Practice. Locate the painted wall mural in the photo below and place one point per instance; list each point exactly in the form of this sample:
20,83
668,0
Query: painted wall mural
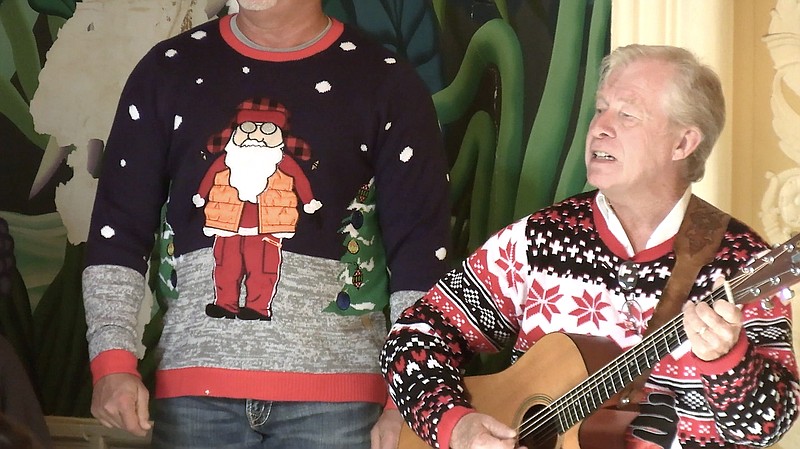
513,116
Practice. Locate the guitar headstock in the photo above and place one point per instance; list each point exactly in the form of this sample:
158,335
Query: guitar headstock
770,273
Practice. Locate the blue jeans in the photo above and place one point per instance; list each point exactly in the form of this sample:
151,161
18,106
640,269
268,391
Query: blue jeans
218,423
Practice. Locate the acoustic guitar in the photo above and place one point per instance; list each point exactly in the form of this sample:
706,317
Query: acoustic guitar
563,379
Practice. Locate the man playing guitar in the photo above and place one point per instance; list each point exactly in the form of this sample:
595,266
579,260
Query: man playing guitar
597,264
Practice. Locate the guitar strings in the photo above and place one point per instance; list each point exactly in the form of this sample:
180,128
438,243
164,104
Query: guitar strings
568,401
672,327
675,326
543,424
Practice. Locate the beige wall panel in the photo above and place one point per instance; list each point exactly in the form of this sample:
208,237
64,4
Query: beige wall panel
706,28
754,172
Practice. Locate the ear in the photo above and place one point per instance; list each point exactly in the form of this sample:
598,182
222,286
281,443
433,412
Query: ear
688,142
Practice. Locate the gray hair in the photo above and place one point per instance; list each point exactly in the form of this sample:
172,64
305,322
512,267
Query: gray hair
695,99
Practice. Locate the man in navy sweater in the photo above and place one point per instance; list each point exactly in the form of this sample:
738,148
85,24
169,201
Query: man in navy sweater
283,269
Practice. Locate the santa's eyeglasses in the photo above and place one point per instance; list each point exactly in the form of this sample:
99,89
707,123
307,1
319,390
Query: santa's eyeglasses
266,128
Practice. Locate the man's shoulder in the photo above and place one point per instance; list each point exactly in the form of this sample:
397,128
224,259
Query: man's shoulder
581,202
362,39
182,41
745,236
373,50
198,31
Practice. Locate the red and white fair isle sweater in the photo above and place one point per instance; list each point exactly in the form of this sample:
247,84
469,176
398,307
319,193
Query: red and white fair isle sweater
555,271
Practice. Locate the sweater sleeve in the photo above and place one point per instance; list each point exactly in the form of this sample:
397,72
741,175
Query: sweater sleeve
411,182
473,308
112,296
753,390
127,211
133,182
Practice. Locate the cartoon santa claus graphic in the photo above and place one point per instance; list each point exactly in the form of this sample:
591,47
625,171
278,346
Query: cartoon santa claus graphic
250,199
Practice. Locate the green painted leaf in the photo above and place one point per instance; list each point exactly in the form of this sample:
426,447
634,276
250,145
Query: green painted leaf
61,8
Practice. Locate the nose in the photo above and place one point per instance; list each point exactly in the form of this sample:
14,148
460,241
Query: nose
601,125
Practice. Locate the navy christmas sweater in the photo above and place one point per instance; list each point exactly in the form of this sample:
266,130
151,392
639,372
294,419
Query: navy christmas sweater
302,190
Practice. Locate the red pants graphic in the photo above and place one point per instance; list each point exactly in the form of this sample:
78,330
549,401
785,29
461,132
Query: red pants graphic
254,259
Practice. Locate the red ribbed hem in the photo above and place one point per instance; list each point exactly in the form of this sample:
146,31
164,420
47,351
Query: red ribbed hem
114,361
448,422
271,386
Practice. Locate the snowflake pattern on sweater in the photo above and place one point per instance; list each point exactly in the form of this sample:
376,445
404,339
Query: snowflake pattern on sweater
558,270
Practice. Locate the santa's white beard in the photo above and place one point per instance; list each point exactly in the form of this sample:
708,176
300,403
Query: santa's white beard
251,166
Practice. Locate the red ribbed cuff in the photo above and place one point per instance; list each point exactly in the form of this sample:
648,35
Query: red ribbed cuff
448,422
114,361
727,361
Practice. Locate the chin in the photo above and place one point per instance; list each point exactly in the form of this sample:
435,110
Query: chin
594,179
603,184
256,5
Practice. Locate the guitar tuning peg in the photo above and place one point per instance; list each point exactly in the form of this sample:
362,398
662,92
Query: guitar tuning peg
783,295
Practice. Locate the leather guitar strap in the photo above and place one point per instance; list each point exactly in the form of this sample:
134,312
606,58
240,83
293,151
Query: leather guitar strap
696,243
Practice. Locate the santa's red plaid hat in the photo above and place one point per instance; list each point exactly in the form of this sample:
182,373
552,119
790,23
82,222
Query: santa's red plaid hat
261,110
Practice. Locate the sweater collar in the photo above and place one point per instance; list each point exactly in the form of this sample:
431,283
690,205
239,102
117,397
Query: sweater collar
663,232
327,39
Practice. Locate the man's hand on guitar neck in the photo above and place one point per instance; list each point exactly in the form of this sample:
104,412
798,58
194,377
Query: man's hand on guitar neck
479,431
712,331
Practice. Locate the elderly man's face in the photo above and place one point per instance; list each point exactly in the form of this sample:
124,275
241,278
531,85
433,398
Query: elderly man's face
630,147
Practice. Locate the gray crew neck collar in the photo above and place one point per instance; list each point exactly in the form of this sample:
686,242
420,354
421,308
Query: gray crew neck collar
245,40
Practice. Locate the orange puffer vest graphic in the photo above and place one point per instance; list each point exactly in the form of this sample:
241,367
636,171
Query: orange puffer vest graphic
277,205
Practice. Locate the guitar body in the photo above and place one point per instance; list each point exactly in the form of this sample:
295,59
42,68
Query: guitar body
565,370
554,365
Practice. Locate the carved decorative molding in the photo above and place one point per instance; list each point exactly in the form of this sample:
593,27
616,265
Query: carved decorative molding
780,206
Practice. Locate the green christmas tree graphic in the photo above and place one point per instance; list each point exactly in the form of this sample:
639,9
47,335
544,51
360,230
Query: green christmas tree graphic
365,278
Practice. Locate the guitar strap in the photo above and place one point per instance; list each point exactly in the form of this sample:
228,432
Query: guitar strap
696,243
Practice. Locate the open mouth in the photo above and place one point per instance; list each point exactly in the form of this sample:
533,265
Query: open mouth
603,156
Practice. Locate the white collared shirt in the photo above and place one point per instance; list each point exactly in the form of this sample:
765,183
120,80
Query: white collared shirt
663,232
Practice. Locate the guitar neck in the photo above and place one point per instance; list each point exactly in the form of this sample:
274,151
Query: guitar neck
760,279
590,394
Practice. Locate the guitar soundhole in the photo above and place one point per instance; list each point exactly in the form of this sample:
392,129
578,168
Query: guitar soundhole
538,430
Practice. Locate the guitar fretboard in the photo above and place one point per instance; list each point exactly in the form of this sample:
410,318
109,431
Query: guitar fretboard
758,280
587,397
